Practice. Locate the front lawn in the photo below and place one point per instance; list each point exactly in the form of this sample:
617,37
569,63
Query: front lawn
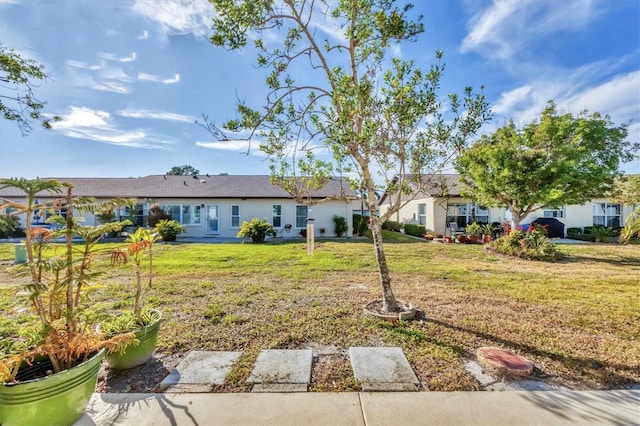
577,319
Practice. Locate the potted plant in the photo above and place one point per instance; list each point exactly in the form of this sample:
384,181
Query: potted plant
49,377
487,233
143,322
473,232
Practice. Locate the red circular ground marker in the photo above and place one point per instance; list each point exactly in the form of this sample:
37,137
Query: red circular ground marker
504,361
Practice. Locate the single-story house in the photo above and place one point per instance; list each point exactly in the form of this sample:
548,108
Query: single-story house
216,205
440,204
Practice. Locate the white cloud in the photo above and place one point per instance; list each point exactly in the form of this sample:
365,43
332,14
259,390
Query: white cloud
102,77
506,25
508,101
239,146
157,79
97,125
617,96
110,86
157,115
144,35
178,17
85,65
114,57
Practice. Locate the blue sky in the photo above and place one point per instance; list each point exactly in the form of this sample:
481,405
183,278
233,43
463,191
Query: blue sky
130,77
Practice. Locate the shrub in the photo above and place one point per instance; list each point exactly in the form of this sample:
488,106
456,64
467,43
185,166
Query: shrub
532,245
473,229
257,230
391,225
415,230
156,214
339,225
601,233
10,227
360,224
573,231
169,229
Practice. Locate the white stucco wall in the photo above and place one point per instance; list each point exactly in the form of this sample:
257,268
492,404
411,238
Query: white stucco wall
263,209
579,216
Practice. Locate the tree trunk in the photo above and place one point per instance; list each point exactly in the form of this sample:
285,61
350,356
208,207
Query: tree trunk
389,303
515,219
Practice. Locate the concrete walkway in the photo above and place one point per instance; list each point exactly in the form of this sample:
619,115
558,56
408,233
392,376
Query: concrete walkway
362,408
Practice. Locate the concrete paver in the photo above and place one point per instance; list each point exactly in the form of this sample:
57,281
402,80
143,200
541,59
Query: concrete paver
199,370
282,366
382,369
490,382
376,408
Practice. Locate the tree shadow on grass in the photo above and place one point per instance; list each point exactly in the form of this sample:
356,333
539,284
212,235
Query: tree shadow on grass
605,371
618,261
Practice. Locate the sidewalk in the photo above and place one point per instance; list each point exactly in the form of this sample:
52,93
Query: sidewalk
362,408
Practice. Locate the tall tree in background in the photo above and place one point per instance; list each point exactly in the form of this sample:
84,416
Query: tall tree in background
556,160
628,192
17,99
185,170
337,103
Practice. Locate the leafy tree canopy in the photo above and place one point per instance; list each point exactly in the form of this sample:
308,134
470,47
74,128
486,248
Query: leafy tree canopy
627,190
185,170
337,103
17,99
556,160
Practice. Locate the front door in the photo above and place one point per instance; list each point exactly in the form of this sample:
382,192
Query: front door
212,219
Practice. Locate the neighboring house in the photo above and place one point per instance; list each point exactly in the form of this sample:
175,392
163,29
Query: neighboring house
216,205
440,204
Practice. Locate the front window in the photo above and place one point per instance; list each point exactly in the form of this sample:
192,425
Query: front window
134,214
302,213
235,216
557,213
276,216
464,214
184,214
607,214
422,214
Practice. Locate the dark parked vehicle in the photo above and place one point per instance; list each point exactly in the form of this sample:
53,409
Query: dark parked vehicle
555,228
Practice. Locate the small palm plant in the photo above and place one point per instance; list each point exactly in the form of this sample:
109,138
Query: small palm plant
142,321
59,281
139,247
257,230
632,228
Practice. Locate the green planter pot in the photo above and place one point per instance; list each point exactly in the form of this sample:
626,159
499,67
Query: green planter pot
135,355
58,399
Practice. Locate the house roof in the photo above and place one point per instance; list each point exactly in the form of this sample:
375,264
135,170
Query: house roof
433,185
201,186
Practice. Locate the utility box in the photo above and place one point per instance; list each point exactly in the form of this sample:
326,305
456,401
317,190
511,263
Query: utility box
20,254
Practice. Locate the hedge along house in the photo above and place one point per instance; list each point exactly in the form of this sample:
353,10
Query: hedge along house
440,203
215,206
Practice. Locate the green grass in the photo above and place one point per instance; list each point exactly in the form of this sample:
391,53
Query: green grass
577,319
